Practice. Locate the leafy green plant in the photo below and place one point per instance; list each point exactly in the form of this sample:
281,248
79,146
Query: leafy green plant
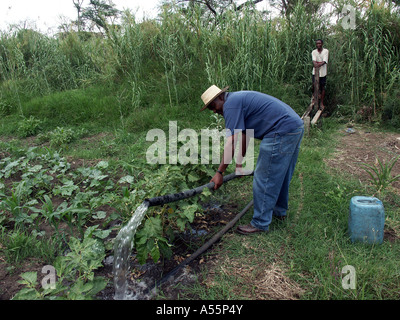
150,241
157,231
93,178
29,292
61,136
18,245
76,216
17,205
49,212
55,162
66,189
38,179
10,166
108,148
85,256
5,108
380,173
29,126
42,138
75,271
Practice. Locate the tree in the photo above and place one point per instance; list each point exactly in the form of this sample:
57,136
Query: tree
286,6
217,7
100,12
78,6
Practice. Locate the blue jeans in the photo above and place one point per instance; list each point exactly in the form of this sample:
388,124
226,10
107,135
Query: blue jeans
274,169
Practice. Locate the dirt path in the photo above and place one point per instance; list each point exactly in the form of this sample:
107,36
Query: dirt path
365,146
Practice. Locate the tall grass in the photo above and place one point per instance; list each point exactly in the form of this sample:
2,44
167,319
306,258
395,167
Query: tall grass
367,59
172,59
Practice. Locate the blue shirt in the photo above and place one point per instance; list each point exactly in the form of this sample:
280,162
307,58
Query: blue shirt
265,114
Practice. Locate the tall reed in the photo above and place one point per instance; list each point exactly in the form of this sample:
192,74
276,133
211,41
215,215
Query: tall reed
173,58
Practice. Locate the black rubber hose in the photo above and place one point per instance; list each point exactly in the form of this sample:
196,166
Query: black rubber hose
201,250
188,193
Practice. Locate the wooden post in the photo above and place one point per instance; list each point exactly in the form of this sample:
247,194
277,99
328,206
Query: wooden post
316,87
310,107
313,105
316,96
307,125
316,117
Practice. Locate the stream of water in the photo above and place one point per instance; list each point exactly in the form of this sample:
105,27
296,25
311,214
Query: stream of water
122,250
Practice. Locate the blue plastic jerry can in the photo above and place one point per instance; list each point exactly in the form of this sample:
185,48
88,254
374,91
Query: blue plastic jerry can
366,220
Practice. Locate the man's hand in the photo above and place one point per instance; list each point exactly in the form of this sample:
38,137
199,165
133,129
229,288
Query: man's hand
218,180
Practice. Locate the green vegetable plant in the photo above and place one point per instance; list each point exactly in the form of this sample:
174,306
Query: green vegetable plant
18,207
158,230
75,272
29,126
60,136
381,173
80,194
18,245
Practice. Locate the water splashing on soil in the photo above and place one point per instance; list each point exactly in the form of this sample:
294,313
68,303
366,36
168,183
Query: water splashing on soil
122,250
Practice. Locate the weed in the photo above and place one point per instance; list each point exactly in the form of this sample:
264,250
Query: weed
18,245
5,108
380,173
29,126
77,267
62,136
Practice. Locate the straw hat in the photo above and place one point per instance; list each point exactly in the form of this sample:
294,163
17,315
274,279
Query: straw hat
210,94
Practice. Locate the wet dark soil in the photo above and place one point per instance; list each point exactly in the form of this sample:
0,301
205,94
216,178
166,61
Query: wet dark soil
142,278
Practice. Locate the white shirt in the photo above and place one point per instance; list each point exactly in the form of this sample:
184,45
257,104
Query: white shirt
319,57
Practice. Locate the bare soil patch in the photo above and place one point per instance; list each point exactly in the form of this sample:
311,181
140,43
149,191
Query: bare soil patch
10,276
259,281
365,146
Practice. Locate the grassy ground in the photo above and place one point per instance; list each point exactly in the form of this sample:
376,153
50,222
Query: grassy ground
300,258
303,257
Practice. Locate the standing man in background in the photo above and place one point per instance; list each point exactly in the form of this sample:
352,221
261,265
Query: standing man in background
320,58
